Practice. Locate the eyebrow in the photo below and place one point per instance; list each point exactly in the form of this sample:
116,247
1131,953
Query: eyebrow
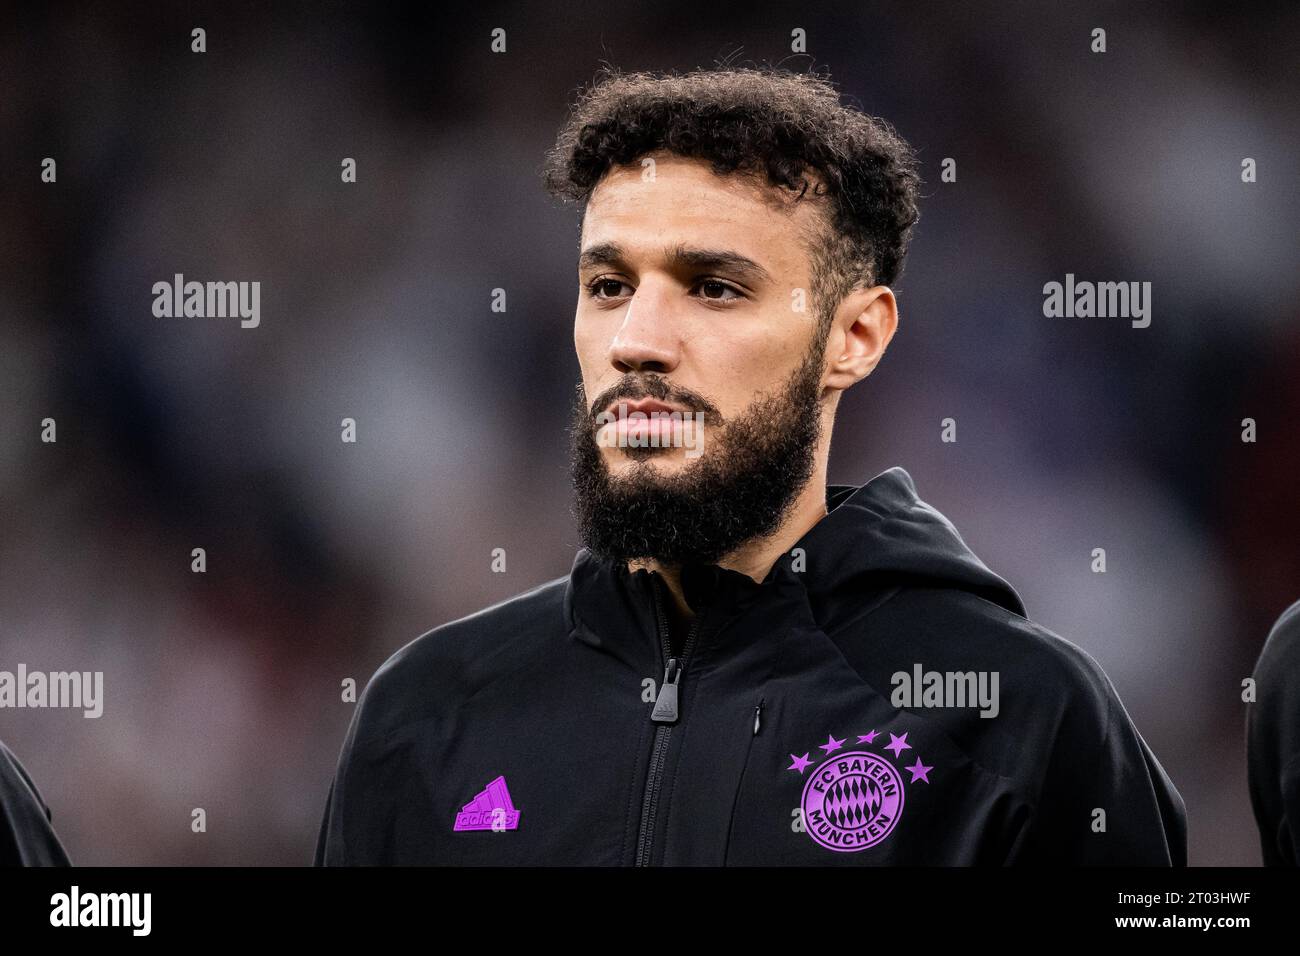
682,256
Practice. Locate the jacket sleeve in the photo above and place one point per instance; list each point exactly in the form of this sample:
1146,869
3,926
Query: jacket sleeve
27,836
331,842
328,853
376,810
1105,799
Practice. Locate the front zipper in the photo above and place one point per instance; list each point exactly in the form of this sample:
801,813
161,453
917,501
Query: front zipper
664,716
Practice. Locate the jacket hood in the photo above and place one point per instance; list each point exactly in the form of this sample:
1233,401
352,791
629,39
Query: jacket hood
883,530
874,538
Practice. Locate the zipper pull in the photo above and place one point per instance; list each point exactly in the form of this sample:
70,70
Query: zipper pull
757,713
665,711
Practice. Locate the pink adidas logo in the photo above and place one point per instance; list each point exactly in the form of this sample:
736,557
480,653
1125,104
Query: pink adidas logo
491,809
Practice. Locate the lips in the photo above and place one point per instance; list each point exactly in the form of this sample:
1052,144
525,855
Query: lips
646,406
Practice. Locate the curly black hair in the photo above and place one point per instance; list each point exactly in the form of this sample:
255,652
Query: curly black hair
758,121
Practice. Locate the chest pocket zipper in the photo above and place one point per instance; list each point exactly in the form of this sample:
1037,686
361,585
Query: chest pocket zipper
754,730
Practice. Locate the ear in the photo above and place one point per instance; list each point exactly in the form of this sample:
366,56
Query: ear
860,332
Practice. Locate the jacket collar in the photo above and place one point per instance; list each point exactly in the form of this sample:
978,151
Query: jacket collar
872,538
602,597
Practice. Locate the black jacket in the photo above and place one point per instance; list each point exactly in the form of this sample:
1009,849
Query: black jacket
27,837
1273,742
526,733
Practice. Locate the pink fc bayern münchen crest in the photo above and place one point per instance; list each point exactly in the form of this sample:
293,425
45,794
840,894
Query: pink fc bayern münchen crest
852,801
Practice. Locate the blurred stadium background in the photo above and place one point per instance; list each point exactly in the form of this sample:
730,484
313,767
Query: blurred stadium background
222,689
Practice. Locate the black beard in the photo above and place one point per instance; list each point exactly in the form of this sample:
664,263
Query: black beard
740,488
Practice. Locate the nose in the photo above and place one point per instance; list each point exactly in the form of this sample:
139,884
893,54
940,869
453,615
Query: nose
648,340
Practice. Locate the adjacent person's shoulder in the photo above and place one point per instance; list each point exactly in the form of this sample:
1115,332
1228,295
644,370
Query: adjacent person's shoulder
1273,722
1273,741
27,836
1281,652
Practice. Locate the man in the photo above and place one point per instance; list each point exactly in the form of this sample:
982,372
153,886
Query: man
1273,742
27,837
717,681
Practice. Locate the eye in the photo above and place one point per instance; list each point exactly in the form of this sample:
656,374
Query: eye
719,287
713,290
595,287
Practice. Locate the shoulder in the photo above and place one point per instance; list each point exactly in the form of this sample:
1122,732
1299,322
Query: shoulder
958,630
430,675
1039,694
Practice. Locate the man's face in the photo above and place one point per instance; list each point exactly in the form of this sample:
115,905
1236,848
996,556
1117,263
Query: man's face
693,298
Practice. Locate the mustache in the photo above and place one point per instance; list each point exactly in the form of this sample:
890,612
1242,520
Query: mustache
631,388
